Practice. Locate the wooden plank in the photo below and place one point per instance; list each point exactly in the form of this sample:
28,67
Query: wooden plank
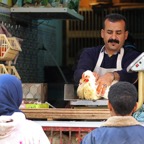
132,7
127,4
67,113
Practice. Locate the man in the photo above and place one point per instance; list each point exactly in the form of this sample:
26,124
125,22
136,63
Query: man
109,62
121,127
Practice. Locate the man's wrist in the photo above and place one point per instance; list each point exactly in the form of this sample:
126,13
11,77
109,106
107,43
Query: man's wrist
115,76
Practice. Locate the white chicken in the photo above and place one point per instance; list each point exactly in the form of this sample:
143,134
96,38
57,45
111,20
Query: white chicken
80,89
87,87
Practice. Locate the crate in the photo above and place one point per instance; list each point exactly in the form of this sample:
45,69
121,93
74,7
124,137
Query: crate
66,135
8,70
9,48
12,70
68,132
3,70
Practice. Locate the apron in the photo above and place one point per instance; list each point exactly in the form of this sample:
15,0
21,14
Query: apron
101,71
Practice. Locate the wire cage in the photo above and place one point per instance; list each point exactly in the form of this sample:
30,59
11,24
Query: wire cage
9,50
66,135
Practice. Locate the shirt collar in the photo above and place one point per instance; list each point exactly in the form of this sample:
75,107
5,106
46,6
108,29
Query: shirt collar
120,121
103,50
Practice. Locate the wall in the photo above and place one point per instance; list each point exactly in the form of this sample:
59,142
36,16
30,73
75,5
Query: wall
36,35
50,43
83,34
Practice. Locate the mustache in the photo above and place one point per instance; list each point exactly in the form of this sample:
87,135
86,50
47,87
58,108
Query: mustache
113,40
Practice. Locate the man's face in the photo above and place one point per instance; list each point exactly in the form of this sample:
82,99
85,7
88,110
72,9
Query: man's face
114,35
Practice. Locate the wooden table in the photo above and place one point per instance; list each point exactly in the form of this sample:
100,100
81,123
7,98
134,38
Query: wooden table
67,113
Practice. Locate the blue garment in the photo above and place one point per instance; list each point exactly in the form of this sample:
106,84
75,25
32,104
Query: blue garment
139,115
89,57
120,131
10,94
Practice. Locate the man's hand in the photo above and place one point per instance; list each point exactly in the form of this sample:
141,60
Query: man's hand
104,81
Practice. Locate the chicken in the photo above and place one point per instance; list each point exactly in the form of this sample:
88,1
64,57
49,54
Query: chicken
87,87
57,137
80,89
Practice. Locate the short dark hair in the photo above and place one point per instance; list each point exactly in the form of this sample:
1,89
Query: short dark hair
114,17
123,97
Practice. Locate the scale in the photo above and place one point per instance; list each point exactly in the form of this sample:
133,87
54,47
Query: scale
138,66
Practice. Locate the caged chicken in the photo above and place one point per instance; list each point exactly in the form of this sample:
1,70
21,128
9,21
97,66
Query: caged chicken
87,87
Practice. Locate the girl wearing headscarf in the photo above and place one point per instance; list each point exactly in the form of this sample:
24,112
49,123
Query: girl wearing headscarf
14,127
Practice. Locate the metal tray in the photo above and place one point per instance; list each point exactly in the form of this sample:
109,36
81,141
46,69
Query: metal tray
70,95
